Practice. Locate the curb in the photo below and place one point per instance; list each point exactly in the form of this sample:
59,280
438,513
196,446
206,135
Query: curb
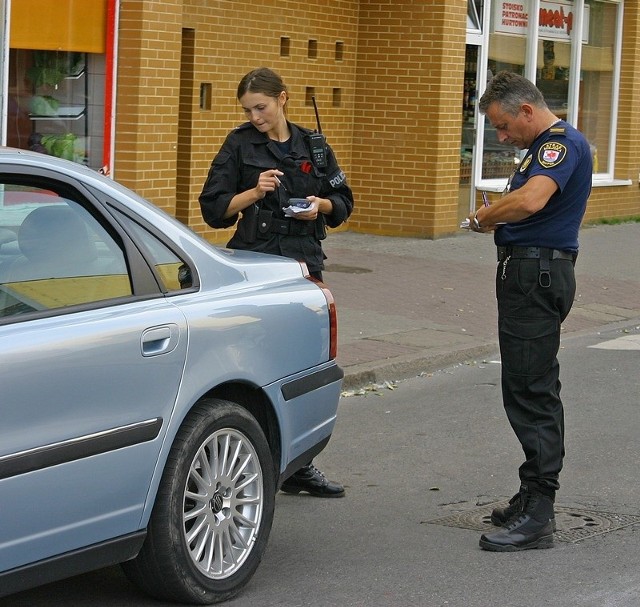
428,361
358,376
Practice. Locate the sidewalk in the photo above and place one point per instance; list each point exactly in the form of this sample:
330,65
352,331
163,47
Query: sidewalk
408,306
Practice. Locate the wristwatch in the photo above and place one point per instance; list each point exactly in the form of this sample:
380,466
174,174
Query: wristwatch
475,222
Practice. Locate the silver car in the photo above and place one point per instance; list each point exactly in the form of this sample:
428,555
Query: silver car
154,389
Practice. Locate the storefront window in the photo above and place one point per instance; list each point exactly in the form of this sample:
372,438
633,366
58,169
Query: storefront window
469,99
55,98
507,51
597,82
548,50
474,15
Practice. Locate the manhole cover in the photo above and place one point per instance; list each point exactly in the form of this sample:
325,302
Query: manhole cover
336,267
573,524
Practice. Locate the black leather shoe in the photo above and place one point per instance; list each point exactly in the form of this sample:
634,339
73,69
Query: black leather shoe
528,529
501,516
311,480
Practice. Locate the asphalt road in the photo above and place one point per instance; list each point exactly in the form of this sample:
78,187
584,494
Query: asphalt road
439,447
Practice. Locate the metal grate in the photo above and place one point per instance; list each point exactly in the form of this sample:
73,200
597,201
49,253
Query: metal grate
573,524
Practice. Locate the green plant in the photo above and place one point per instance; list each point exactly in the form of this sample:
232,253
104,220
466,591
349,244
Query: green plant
62,146
50,68
43,105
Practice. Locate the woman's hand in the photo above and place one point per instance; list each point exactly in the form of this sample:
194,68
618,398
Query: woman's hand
268,182
316,206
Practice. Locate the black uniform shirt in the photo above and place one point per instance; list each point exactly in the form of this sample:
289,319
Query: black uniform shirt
245,154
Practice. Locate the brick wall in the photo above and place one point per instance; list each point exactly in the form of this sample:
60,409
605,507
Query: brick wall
148,83
388,78
229,43
406,152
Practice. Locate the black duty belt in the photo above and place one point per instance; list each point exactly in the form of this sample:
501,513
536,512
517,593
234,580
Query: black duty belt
291,227
515,252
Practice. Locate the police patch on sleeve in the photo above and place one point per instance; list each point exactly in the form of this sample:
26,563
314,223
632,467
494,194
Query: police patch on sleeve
551,154
337,180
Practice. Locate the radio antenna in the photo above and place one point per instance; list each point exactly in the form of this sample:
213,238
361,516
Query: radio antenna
315,109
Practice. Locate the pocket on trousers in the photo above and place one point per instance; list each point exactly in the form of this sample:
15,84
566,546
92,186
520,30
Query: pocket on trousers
528,346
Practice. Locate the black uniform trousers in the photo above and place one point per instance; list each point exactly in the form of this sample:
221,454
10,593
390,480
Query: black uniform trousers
529,319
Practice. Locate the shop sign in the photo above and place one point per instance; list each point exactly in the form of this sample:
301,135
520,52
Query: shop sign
555,21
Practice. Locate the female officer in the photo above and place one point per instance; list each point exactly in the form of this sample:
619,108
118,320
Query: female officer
261,165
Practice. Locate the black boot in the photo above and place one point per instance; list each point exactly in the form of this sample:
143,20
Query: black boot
311,480
500,516
529,528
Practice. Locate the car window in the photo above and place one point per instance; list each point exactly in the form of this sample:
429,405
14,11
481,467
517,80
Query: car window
54,253
172,271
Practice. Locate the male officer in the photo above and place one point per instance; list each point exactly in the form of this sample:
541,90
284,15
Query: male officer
535,227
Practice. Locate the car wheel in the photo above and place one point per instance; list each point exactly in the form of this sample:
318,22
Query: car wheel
214,509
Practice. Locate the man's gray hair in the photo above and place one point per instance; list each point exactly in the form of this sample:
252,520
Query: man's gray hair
511,90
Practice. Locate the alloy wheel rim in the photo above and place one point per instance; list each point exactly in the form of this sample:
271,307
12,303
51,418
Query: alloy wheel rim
223,503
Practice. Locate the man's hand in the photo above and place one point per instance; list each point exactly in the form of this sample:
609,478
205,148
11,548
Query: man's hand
475,224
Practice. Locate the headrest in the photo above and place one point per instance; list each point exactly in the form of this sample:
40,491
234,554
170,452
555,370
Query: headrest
55,231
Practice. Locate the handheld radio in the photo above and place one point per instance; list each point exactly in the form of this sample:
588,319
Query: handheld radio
316,142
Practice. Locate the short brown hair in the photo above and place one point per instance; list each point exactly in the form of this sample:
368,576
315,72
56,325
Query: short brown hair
511,90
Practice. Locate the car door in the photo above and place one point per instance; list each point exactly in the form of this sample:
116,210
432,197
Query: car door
89,372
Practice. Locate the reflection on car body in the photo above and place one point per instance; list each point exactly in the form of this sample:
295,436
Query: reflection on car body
154,387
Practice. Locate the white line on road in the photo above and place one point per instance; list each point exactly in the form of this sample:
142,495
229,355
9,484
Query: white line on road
628,342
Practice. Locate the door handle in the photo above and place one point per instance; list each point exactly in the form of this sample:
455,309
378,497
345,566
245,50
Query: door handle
159,340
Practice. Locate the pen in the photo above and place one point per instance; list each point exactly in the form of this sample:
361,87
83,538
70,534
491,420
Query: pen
280,183
485,199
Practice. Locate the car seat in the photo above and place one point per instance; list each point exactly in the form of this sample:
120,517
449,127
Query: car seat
55,243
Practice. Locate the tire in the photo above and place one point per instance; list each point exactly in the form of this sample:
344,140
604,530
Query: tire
213,512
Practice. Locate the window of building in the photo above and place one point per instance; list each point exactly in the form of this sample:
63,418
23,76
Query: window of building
309,94
570,50
57,86
205,95
285,46
312,49
474,15
598,91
